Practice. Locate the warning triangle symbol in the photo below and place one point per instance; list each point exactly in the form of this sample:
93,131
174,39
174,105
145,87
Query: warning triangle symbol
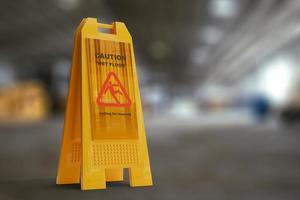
113,93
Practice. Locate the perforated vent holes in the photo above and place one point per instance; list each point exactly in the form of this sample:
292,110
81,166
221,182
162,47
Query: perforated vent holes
115,154
76,151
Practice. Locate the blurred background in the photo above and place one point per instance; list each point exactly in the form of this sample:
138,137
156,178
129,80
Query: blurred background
220,85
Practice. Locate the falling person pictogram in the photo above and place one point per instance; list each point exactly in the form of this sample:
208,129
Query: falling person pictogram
114,90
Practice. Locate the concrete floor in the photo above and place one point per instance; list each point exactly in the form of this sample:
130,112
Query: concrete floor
210,162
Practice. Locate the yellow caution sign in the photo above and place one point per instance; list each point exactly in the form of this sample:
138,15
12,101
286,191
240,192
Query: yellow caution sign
104,127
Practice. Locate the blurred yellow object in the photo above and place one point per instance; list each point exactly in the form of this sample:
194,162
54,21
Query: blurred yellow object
24,101
104,127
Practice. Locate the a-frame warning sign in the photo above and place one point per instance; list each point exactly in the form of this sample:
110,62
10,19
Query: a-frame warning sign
113,93
104,129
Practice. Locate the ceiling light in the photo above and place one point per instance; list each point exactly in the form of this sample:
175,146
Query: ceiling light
224,8
68,4
210,35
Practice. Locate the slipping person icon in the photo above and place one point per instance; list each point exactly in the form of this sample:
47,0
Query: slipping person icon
113,85
112,90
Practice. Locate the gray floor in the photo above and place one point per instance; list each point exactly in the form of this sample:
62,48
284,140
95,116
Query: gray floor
224,162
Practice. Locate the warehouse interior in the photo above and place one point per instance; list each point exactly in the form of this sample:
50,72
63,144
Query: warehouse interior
220,89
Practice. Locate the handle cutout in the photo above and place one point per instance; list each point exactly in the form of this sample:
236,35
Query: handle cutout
106,28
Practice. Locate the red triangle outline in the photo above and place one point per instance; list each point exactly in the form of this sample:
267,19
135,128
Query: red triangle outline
103,88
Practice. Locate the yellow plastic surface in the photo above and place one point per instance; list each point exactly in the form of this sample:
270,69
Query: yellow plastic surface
104,127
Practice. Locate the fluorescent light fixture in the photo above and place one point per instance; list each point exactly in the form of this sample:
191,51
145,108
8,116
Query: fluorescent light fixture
210,35
68,4
224,8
